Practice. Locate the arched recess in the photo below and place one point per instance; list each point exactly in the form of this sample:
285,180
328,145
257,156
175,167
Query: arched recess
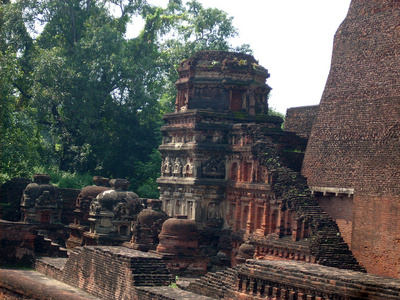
234,171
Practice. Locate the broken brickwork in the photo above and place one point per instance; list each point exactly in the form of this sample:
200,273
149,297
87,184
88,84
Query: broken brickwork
108,272
227,165
354,146
10,198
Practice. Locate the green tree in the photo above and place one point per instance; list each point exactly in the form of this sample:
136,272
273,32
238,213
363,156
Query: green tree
98,97
19,140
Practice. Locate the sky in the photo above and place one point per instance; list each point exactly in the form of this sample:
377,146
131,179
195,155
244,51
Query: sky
293,39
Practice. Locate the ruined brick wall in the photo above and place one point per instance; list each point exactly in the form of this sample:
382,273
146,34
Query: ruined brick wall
340,208
68,198
10,198
17,243
300,120
277,279
112,272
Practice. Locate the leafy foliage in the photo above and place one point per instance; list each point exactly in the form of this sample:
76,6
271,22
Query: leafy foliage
79,97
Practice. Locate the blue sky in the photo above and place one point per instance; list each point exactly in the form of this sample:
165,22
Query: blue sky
291,38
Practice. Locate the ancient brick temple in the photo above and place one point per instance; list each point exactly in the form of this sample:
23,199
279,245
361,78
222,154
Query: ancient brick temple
228,165
352,160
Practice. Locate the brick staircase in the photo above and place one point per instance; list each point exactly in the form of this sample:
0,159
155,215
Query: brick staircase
46,247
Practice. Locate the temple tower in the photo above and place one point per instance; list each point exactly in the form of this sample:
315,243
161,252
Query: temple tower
216,89
354,147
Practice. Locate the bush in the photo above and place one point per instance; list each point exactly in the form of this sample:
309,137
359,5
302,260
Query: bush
66,180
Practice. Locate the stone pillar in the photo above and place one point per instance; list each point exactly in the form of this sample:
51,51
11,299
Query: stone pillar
264,225
237,214
250,218
280,223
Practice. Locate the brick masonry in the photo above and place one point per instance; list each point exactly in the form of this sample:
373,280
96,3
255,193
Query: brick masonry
17,243
108,272
355,139
300,120
376,234
340,208
262,279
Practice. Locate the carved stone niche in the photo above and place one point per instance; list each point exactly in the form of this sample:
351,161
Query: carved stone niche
177,168
148,227
214,215
166,168
188,168
41,202
85,198
214,167
112,213
83,202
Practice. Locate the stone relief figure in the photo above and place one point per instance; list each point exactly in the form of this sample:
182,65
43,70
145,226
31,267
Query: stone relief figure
213,211
95,208
215,167
167,167
183,209
44,199
123,209
188,168
177,167
168,208
177,206
190,210
213,215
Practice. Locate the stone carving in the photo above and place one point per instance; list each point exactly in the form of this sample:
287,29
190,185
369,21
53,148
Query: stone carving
214,215
177,167
40,201
167,167
190,210
95,208
188,168
148,227
215,167
213,211
112,213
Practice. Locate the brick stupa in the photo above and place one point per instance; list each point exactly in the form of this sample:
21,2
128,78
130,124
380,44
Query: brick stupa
355,141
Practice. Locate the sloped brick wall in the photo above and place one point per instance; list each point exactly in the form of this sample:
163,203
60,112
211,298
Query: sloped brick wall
355,141
300,120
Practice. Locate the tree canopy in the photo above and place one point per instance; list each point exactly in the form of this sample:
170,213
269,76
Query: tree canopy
79,95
